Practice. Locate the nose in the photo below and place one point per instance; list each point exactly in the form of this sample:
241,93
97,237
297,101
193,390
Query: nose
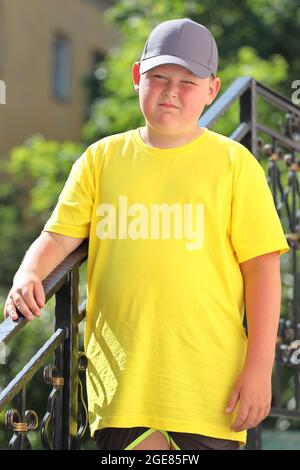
171,89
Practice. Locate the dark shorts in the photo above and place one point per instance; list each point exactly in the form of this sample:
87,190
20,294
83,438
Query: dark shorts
128,438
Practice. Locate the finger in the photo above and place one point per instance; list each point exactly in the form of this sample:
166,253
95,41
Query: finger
39,294
22,307
267,411
27,296
10,310
234,398
5,310
250,421
260,416
241,417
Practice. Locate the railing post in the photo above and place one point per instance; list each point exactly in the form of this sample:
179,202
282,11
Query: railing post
254,439
248,115
66,314
58,414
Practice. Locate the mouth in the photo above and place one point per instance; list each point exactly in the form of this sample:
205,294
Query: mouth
168,105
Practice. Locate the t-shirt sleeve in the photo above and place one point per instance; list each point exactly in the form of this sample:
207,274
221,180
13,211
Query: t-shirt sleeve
255,225
72,214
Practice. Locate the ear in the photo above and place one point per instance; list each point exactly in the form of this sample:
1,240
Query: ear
136,76
213,90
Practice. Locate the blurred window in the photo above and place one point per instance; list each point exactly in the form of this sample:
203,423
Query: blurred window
61,67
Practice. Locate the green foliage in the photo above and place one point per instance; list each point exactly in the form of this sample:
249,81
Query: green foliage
118,109
46,164
32,179
248,41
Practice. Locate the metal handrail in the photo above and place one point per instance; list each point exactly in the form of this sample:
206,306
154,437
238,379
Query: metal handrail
223,103
63,283
9,328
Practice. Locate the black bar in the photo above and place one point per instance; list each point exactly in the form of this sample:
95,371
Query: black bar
239,86
284,413
248,116
31,367
82,311
277,99
58,415
254,439
280,137
9,328
241,131
66,314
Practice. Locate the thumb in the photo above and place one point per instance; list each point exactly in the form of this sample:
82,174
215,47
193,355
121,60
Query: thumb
39,294
234,397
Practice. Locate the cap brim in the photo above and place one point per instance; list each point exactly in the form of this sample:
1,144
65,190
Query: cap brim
194,67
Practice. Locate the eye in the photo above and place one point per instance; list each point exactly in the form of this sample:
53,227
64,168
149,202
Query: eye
159,76
188,82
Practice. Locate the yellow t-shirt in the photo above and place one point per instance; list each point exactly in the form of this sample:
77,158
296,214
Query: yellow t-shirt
167,230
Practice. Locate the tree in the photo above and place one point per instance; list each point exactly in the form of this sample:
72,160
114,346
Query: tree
34,176
248,39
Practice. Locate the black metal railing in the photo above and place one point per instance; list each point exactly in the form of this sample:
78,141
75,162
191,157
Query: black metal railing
281,153
282,174
62,409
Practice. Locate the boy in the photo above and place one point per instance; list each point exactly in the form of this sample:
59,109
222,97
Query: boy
182,227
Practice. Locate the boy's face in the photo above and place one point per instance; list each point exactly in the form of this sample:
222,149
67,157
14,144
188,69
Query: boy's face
172,98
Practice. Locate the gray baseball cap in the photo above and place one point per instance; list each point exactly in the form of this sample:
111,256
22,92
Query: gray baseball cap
182,42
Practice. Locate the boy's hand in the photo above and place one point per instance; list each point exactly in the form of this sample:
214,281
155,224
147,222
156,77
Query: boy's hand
253,391
27,295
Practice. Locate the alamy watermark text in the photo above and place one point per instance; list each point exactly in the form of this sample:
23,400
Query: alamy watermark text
296,95
152,221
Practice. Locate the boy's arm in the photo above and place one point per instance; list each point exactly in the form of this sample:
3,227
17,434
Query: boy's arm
262,299
45,253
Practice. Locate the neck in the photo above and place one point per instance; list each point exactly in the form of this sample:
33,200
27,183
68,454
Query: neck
155,138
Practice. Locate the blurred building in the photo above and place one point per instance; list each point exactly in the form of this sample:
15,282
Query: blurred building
47,49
